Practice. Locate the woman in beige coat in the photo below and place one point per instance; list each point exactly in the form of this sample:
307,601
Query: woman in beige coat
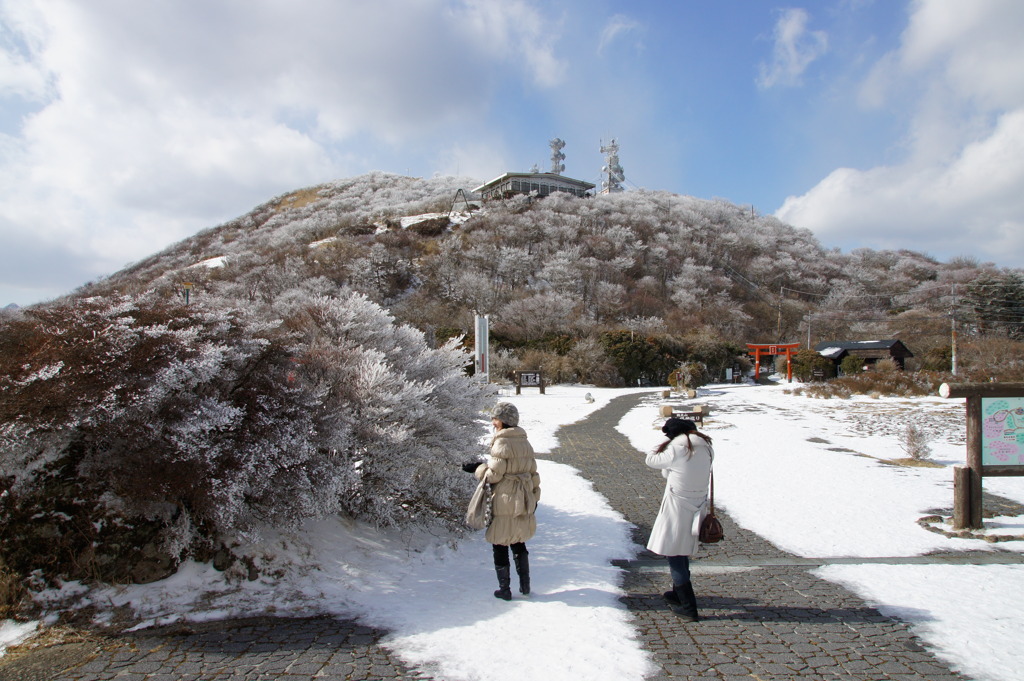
511,470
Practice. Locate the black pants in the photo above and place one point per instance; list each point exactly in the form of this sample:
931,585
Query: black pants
501,553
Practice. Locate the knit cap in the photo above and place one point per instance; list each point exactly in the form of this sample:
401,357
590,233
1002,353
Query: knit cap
507,413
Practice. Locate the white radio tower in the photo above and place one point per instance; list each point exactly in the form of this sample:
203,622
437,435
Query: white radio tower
612,171
557,156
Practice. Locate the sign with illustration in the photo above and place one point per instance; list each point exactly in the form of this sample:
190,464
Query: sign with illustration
1002,431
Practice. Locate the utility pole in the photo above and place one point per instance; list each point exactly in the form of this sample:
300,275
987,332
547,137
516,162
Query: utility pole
952,316
778,332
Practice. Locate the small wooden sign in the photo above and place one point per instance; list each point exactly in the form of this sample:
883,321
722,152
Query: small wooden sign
529,379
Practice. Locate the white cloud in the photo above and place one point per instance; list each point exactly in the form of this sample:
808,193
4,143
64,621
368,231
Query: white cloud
973,205
794,50
958,78
514,31
144,122
19,76
616,27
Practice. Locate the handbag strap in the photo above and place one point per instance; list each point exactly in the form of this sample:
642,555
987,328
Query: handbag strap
711,508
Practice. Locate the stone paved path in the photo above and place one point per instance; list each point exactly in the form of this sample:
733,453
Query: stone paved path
263,649
765,617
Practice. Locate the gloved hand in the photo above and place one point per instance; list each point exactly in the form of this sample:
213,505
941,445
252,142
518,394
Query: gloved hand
471,466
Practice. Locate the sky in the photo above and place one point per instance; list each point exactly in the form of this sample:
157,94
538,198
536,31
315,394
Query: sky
127,126
573,625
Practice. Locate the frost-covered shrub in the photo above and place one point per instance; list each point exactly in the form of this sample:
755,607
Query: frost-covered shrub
591,364
504,364
198,424
401,413
555,368
877,384
691,375
916,442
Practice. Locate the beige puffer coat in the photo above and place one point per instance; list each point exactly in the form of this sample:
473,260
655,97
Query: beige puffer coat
515,487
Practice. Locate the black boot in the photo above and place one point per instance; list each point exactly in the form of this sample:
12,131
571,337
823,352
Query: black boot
671,597
687,608
523,570
504,580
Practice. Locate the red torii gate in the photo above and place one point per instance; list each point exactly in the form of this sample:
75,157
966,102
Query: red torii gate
773,349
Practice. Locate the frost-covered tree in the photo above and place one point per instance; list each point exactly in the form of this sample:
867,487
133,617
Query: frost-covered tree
688,261
537,316
203,423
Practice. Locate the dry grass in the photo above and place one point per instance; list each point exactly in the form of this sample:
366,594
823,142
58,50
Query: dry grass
878,384
12,591
912,463
297,199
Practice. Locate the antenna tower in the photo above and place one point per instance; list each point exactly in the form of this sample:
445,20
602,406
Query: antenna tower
614,176
557,156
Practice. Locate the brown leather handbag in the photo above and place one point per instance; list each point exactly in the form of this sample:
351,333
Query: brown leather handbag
711,530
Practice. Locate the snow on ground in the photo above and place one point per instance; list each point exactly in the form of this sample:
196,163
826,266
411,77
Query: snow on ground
13,632
804,473
212,263
436,600
970,615
410,220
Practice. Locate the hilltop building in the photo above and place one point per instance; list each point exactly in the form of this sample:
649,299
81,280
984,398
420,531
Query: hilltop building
544,184
510,184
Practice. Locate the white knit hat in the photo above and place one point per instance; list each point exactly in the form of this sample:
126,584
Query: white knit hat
507,413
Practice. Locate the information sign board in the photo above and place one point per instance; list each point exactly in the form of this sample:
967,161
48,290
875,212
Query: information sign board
1002,431
529,378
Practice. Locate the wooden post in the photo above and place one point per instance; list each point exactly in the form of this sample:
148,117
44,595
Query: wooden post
974,459
961,497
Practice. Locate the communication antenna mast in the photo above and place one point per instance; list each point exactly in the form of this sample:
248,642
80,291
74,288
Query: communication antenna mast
557,156
614,176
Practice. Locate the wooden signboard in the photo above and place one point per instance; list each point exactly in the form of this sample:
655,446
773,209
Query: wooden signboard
529,379
995,442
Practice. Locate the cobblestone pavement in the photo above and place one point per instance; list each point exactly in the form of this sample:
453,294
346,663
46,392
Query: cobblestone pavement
763,615
319,648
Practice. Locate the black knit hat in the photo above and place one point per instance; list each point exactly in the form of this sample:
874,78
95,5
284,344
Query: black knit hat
677,426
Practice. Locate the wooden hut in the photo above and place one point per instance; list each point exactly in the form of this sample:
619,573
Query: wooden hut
869,351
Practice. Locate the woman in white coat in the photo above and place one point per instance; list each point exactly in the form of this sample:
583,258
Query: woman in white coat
685,463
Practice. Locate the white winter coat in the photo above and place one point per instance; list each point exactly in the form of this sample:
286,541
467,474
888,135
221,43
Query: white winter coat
685,501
